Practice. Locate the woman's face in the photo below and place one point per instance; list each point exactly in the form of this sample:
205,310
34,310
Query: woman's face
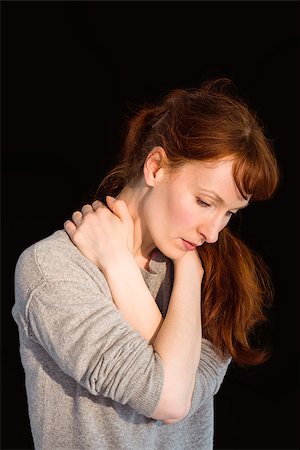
185,208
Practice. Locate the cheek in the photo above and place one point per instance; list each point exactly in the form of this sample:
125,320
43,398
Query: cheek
181,215
169,210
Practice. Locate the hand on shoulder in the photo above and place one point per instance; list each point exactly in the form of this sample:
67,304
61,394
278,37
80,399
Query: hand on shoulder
102,233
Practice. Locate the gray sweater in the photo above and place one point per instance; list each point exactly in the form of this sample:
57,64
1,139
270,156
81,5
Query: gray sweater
92,381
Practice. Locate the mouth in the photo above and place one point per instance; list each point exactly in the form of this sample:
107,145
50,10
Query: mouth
189,245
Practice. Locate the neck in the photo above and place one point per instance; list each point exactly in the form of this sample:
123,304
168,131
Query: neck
143,244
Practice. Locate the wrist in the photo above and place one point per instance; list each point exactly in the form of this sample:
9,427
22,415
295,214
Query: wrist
189,264
123,263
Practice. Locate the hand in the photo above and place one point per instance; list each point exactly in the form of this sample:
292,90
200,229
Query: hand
102,234
189,261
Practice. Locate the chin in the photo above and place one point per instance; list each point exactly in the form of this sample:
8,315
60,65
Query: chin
171,252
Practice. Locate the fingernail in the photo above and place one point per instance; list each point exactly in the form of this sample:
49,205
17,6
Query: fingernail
110,198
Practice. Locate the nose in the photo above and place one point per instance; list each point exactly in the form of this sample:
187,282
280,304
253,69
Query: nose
210,231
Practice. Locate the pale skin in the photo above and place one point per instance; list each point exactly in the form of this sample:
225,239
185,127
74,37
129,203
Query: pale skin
164,210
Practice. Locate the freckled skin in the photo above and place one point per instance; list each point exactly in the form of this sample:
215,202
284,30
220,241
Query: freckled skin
172,210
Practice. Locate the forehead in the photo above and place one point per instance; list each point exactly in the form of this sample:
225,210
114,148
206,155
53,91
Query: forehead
210,171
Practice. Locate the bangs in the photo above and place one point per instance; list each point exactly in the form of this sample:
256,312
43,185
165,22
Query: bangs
256,175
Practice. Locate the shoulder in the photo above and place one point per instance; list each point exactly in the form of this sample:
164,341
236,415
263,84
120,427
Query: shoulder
51,259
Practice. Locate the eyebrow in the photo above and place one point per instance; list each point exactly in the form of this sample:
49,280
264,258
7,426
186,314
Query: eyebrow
220,199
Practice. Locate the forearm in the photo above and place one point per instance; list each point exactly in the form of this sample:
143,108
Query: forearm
178,344
133,298
177,339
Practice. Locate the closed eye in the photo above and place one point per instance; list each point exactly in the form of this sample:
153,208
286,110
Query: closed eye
202,203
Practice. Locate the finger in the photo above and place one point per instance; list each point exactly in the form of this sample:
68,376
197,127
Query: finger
77,218
114,205
86,209
119,208
96,204
69,227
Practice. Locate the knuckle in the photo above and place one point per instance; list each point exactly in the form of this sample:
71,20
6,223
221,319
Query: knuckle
88,212
101,209
88,217
77,236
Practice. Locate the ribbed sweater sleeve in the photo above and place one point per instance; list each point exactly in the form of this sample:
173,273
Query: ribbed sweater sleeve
210,374
80,328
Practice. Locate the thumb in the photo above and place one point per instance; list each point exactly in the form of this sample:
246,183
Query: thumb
119,208
110,201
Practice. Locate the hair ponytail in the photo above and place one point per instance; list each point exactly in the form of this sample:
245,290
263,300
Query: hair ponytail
236,291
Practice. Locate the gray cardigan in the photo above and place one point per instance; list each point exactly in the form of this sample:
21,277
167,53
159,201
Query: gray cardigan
92,381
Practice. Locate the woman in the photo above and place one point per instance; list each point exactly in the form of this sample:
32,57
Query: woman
129,317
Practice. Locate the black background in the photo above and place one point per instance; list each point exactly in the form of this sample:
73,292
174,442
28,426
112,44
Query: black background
70,73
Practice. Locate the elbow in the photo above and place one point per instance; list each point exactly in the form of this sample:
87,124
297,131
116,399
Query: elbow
178,418
171,421
175,399
171,413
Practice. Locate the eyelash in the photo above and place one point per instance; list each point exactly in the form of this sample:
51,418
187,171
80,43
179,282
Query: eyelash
207,205
202,203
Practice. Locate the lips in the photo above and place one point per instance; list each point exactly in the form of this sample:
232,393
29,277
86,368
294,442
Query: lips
189,245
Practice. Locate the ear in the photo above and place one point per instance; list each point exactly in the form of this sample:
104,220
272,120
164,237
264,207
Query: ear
155,161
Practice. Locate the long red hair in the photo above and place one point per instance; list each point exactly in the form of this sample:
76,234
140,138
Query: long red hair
211,123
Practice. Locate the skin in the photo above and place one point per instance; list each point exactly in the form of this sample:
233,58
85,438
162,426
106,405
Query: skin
163,209
181,202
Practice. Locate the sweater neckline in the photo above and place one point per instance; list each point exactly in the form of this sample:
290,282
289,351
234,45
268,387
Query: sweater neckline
157,265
